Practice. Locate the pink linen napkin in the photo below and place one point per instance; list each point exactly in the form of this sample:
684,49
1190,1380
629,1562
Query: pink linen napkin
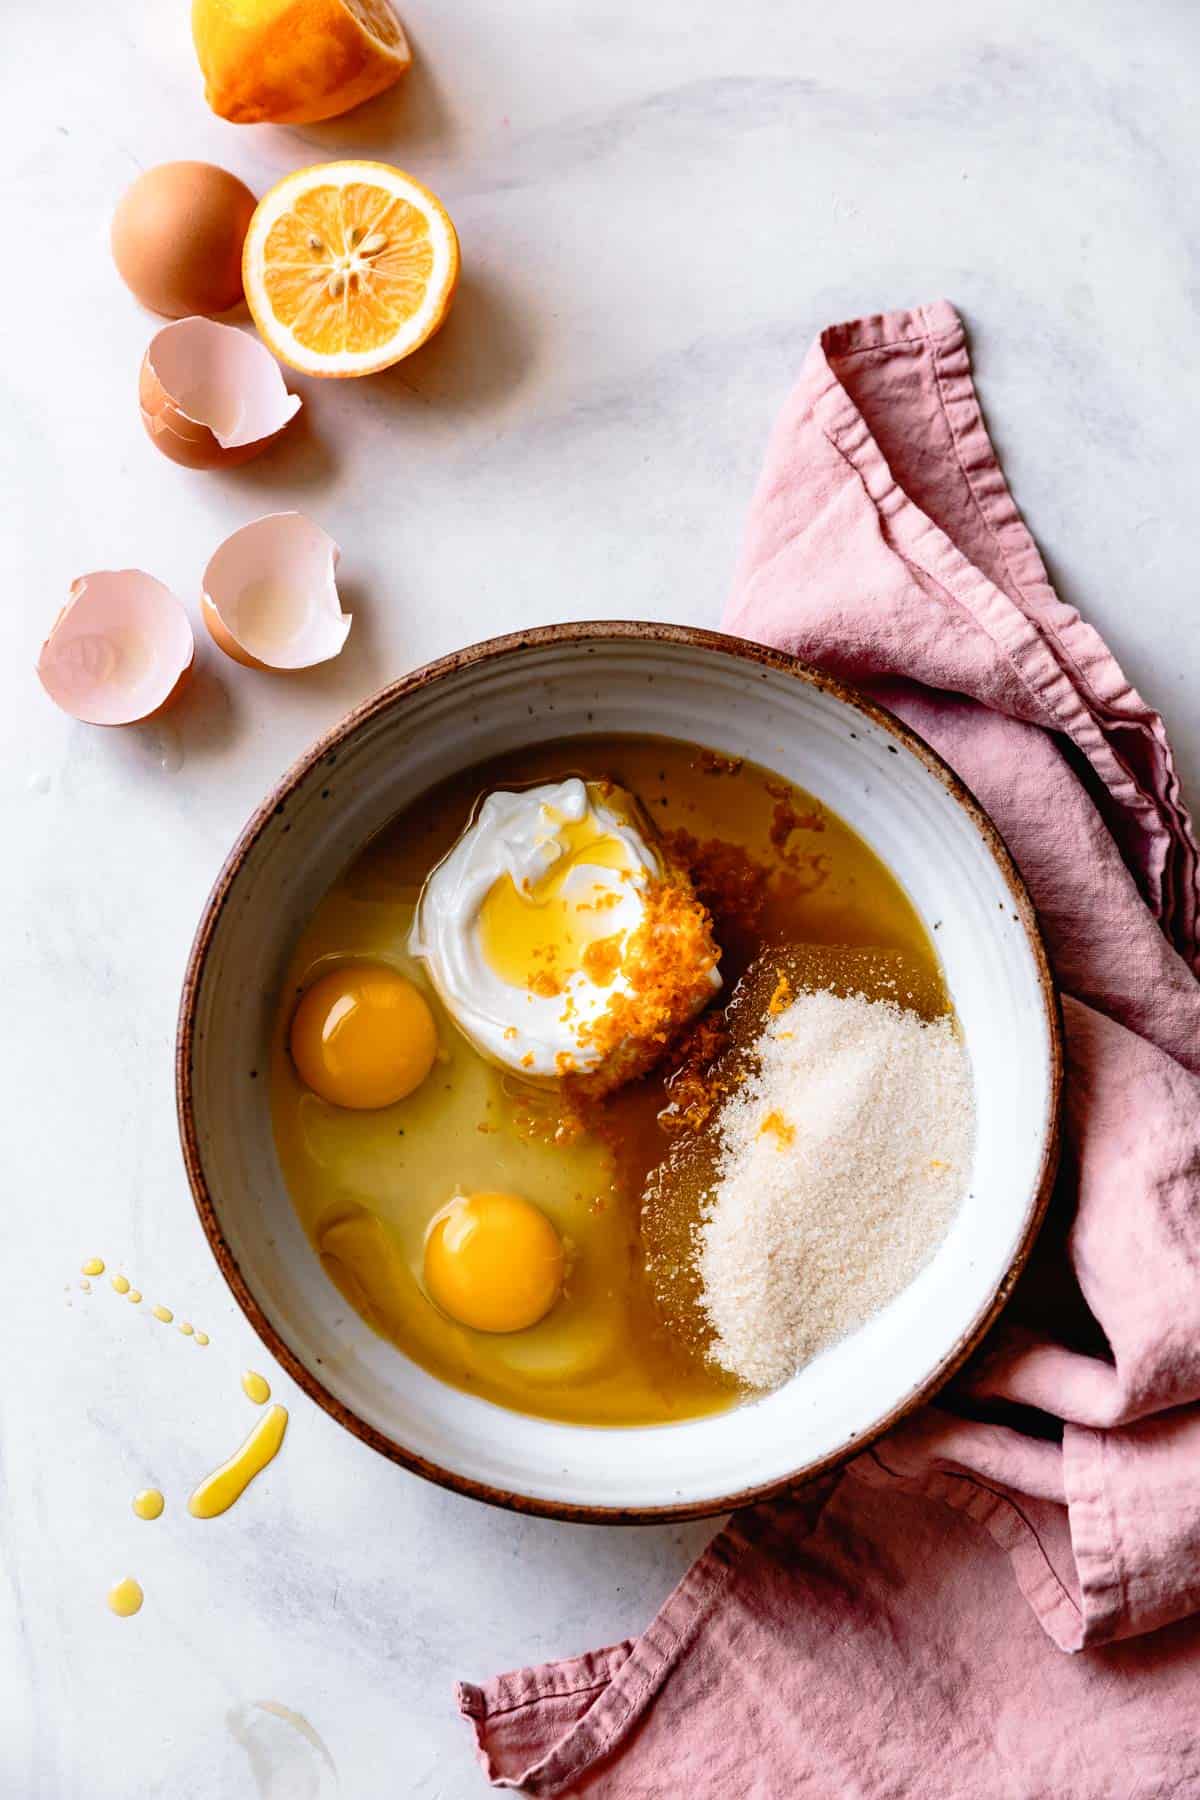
866,1636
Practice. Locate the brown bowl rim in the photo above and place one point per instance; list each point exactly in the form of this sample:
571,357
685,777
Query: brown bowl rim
488,650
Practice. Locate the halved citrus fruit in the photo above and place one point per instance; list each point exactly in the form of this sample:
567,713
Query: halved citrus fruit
295,61
348,267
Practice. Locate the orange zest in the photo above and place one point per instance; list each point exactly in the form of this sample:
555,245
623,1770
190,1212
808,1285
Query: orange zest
668,963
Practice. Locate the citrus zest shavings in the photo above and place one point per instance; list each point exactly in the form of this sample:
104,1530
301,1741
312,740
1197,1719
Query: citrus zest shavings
776,1126
781,999
602,958
667,963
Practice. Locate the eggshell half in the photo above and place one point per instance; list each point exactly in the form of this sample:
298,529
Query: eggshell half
211,396
270,599
119,650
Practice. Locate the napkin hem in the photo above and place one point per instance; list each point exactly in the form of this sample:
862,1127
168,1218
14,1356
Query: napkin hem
625,1676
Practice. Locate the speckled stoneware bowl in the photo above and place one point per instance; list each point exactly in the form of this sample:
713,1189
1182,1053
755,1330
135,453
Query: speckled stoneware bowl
741,700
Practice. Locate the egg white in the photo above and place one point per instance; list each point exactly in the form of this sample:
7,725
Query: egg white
519,835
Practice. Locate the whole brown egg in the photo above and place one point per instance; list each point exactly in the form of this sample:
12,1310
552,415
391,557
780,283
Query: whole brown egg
177,238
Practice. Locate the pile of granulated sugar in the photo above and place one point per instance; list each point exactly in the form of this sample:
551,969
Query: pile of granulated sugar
842,1162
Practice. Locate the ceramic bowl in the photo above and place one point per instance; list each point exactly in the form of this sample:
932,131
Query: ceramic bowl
739,699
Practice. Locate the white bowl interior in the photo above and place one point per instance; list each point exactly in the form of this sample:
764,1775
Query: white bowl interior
882,789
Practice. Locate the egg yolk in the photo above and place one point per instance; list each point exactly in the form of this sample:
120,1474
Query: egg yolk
363,1036
539,935
494,1262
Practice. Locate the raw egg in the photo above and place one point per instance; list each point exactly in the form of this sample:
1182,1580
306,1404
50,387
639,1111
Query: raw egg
177,238
494,1262
549,920
363,1036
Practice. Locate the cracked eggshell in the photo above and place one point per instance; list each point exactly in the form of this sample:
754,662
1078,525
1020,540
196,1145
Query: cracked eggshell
120,649
211,396
270,599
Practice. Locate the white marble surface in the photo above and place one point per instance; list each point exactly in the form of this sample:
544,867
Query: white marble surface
658,206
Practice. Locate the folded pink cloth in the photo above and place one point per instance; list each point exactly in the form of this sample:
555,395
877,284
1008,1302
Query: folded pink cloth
866,1637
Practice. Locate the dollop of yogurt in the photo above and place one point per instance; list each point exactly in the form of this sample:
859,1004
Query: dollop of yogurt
522,924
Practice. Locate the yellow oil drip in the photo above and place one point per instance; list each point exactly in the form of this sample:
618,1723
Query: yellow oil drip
186,1326
148,1504
164,1313
119,1283
202,1338
86,1285
125,1597
93,1266
217,1493
135,1298
256,1387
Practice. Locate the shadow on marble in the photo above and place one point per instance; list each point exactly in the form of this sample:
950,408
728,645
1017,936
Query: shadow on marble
1132,654
648,1559
408,119
631,1556
482,355
206,714
201,724
220,700
301,459
358,671
608,1581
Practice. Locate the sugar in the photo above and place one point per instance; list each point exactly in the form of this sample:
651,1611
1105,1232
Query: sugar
841,1160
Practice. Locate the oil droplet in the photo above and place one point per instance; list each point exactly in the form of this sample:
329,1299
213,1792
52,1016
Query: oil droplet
125,1597
217,1493
86,1285
93,1266
148,1504
135,1298
202,1338
256,1387
167,749
119,1283
186,1326
164,1313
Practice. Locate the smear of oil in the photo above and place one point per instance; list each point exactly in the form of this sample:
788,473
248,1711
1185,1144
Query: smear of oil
288,1758
218,1491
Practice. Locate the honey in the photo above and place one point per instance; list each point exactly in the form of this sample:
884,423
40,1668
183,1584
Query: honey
775,869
